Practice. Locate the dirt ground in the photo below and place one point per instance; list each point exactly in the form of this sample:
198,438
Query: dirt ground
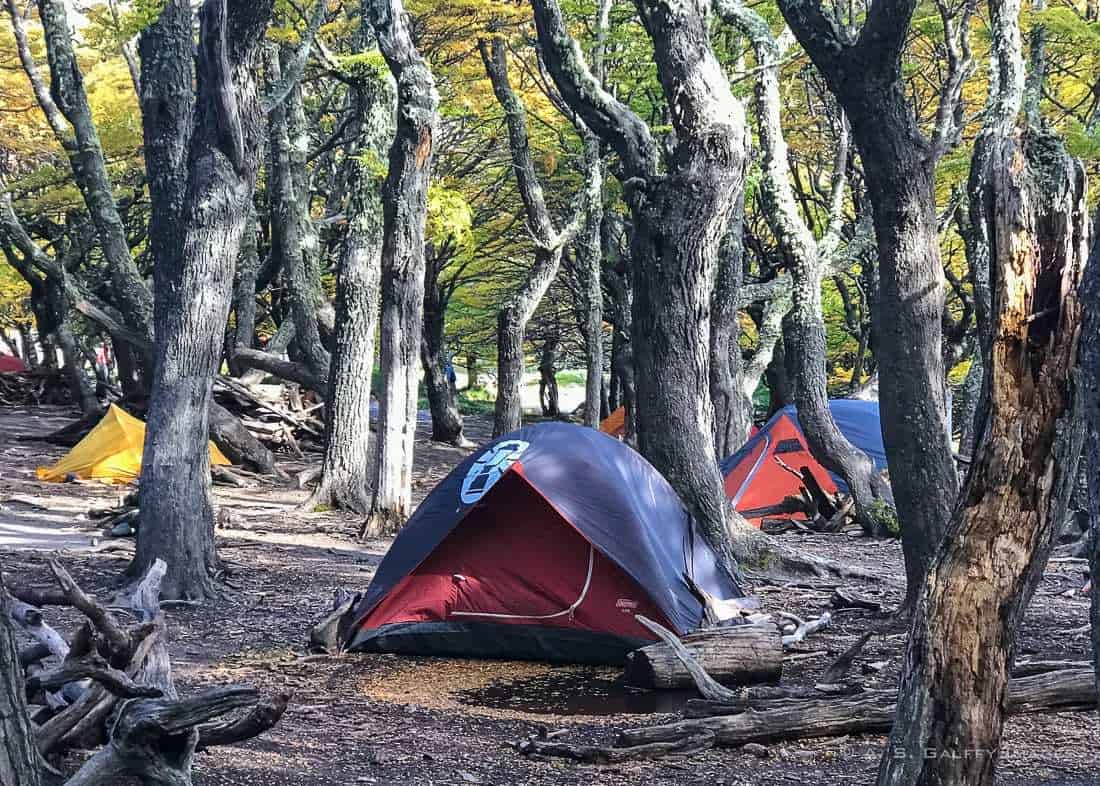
360,719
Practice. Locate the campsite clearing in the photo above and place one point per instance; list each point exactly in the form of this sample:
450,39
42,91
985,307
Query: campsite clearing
360,719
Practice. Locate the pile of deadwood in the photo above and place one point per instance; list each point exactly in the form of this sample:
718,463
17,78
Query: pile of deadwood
755,715
33,388
279,416
109,686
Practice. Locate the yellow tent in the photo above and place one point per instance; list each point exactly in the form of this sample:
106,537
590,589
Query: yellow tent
111,452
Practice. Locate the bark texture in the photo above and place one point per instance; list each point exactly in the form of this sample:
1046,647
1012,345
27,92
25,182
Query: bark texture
194,289
346,467
442,393
405,207
18,755
80,139
589,251
732,408
1090,368
293,234
953,689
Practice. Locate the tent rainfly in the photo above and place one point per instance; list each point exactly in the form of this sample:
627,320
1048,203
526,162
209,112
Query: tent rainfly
542,545
111,452
755,480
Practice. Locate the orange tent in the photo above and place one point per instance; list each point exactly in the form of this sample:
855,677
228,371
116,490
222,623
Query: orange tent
614,425
759,476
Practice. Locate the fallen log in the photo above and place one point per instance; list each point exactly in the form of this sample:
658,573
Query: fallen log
595,754
870,712
738,655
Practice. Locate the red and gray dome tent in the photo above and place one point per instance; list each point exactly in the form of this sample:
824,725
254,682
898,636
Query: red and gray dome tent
542,545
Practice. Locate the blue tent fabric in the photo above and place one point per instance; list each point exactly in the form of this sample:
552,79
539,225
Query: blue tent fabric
602,487
857,420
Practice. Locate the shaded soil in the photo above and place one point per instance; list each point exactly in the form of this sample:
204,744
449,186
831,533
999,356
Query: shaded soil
384,719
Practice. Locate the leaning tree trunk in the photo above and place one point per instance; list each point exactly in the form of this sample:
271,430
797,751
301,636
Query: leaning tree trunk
82,145
1090,367
346,467
442,394
405,208
953,688
18,755
194,289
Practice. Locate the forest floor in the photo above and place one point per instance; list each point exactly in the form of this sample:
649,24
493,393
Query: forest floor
361,719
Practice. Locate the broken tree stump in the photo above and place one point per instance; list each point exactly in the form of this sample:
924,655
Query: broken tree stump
738,655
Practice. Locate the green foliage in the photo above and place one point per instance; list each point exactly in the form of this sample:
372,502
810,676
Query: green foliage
449,214
110,26
477,401
886,516
564,378
366,66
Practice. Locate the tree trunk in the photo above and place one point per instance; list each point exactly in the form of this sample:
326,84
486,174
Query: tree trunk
80,387
346,467
89,166
1090,368
292,232
517,310
1002,529
548,378
767,720
194,289
739,655
405,207
680,217
589,252
18,755
507,410
442,393
244,295
471,371
732,409
865,75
